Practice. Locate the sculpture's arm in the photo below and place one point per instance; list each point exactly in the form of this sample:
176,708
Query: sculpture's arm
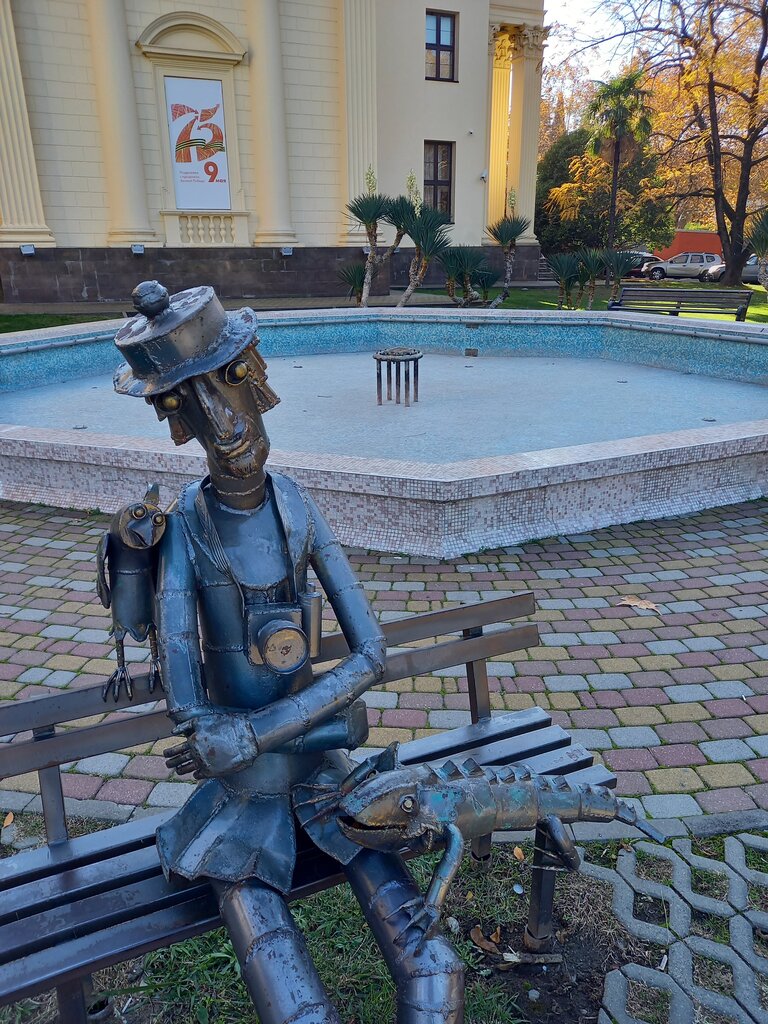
221,742
336,689
177,632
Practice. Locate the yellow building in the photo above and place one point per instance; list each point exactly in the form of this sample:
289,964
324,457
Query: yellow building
220,140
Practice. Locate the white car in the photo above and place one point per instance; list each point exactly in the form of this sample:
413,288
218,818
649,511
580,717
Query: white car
748,274
687,264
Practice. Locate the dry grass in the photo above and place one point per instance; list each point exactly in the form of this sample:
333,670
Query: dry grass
713,975
648,1004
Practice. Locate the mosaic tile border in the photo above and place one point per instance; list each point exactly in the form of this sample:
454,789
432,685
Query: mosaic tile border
420,508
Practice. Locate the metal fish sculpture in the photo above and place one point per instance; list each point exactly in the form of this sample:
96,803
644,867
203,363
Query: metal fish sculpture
416,807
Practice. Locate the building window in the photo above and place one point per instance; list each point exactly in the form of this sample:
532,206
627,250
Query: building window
441,47
438,176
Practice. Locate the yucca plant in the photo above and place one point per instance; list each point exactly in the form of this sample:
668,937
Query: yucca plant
565,270
461,263
618,263
428,230
758,239
592,262
368,209
506,233
484,280
399,213
353,274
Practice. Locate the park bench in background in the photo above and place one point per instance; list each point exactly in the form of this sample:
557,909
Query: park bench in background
79,905
672,300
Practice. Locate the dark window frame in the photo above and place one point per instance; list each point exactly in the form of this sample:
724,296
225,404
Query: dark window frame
438,48
436,181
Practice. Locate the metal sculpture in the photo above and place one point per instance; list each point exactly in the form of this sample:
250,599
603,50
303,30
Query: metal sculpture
125,582
416,807
237,621
223,578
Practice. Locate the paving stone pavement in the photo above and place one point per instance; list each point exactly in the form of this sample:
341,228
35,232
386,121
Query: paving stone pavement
674,698
714,910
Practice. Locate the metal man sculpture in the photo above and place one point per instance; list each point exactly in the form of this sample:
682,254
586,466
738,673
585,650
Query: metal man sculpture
237,622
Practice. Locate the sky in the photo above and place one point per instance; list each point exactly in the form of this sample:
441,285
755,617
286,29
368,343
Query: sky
586,21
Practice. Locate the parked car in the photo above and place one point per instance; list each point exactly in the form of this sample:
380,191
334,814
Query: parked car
643,261
686,264
748,274
642,258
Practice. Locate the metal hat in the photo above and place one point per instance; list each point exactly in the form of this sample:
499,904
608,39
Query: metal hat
177,337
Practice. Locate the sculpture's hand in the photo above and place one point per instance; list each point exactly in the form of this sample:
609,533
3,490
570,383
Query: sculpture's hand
217,743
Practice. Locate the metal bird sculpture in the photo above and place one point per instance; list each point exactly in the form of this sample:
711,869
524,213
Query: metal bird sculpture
126,563
419,806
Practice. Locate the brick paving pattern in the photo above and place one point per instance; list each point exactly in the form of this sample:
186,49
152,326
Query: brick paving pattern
673,698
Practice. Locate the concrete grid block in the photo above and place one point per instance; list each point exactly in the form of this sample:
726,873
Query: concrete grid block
744,1006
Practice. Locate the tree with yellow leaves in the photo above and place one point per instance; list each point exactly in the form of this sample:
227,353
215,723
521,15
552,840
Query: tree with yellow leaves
706,60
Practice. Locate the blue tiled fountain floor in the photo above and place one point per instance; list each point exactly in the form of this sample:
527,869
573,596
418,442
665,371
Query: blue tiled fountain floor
468,408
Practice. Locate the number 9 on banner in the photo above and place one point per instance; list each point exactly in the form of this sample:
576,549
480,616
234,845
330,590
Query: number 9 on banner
211,169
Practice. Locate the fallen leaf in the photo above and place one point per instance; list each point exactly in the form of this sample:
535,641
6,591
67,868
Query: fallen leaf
496,935
8,819
519,855
639,602
481,942
470,897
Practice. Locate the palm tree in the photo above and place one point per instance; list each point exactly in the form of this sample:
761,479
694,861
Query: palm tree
619,117
368,209
565,270
485,280
353,274
617,265
758,239
428,230
506,232
592,262
461,263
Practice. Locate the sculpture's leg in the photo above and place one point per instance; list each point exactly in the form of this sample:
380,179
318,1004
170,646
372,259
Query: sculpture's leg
430,983
277,969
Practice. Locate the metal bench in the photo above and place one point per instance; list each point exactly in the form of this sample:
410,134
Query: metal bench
673,300
78,905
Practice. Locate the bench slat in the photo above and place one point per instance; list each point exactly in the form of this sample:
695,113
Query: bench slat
439,623
597,775
468,737
76,883
80,851
68,706
103,910
81,956
74,744
519,748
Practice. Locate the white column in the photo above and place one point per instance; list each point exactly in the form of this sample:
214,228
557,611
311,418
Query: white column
22,218
119,123
527,42
500,55
270,152
360,95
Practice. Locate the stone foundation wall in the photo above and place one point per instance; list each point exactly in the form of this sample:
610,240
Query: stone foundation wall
110,274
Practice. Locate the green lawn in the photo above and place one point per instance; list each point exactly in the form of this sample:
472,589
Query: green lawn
546,298
10,323
520,298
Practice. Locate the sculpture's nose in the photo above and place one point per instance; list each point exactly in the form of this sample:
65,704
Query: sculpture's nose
218,413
